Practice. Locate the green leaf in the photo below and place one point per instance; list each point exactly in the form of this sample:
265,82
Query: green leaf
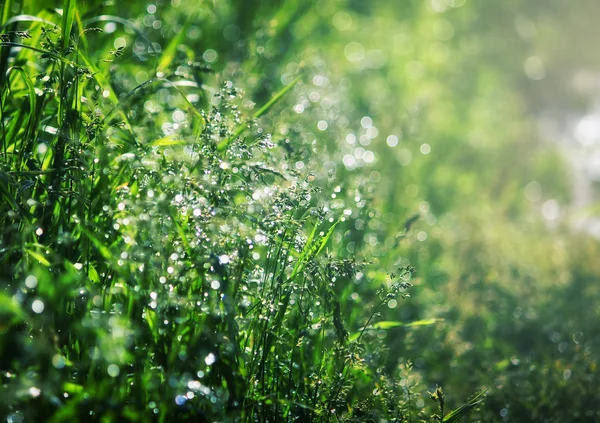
93,274
465,409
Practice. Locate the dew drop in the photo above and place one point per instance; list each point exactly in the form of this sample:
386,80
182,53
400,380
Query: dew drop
113,370
37,306
31,281
58,361
210,359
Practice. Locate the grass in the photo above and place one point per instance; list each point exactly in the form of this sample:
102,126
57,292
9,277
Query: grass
212,212
162,257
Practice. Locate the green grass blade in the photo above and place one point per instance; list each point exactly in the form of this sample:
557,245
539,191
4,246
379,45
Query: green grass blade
69,7
10,311
323,241
304,255
169,52
167,141
99,78
264,109
39,50
106,85
5,11
40,258
388,324
30,129
191,107
151,320
102,249
8,197
26,18
126,23
392,324
462,411
119,105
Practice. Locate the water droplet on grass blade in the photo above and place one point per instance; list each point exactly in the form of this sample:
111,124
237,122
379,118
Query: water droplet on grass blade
31,281
37,306
210,359
113,370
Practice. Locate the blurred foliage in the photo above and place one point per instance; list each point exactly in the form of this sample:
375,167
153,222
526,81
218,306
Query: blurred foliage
210,212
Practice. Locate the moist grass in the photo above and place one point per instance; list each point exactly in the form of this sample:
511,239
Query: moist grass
163,257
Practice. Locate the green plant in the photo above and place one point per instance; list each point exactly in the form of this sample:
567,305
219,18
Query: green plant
163,257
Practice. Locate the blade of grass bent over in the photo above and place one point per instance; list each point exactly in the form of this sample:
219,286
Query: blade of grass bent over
26,18
39,50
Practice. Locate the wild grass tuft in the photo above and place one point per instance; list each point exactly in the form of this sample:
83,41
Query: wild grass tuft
162,256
